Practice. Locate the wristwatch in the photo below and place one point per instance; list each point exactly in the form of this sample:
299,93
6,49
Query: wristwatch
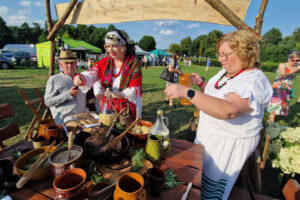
190,94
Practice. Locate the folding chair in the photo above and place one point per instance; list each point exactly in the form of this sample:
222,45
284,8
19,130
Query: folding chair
37,112
10,130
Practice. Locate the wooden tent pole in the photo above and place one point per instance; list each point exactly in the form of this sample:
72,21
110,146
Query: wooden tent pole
50,27
231,17
259,17
62,20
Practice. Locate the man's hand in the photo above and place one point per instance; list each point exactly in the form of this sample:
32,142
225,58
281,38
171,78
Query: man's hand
74,90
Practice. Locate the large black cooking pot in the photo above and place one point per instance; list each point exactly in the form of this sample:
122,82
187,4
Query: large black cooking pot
95,151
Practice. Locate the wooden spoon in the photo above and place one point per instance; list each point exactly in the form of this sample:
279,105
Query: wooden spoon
70,144
119,138
115,119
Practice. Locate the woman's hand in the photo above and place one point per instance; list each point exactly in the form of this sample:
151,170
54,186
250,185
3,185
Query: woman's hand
79,80
176,91
196,79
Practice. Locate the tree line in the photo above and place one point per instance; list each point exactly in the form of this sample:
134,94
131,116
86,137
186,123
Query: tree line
274,47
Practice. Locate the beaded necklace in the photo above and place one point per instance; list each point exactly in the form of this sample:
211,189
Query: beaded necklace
217,83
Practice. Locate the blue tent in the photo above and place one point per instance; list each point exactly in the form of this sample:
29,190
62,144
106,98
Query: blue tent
159,52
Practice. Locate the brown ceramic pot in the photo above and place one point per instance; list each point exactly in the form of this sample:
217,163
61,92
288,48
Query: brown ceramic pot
71,185
43,125
59,163
52,131
130,186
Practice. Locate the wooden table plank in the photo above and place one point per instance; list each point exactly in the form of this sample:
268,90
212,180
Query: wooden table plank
27,194
185,157
186,145
185,174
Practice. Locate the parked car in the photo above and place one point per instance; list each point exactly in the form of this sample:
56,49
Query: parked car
30,48
5,63
18,57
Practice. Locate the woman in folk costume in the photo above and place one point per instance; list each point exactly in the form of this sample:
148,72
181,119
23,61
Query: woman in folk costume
120,71
232,106
282,85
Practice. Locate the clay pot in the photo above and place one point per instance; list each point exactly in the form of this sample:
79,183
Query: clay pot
59,163
130,186
43,125
70,185
52,131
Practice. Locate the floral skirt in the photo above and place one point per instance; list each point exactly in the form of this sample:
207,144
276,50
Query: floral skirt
280,102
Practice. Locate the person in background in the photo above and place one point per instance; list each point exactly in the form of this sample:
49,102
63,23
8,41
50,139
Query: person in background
282,85
120,71
175,69
62,97
207,64
231,111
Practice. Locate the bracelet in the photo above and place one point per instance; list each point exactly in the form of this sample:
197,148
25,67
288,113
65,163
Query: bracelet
202,83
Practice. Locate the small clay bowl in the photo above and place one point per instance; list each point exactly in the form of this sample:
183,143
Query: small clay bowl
141,137
41,173
93,189
59,163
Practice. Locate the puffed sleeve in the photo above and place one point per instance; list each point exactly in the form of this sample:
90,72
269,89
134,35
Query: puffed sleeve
257,90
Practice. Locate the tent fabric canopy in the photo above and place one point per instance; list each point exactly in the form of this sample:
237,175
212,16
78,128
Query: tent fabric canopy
79,43
159,52
139,51
43,50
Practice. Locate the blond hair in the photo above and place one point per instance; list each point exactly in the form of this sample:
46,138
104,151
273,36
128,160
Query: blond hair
244,45
294,54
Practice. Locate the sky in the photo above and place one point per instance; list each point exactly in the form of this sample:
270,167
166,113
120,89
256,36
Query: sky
281,14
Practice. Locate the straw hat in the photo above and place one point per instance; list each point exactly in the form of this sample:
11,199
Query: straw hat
67,56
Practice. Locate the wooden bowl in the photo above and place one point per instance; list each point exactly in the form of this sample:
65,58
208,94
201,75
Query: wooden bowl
41,173
141,137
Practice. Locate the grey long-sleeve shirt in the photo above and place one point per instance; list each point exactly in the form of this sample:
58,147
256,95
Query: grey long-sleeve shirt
58,98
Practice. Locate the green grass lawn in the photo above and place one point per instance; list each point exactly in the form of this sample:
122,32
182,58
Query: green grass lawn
153,96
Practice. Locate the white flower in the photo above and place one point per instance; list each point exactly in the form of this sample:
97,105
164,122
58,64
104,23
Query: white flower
291,135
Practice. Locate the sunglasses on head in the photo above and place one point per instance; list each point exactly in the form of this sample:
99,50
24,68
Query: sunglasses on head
113,38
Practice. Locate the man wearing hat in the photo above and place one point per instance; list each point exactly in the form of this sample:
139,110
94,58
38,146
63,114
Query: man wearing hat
61,96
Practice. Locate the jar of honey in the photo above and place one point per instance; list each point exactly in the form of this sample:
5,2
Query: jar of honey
185,79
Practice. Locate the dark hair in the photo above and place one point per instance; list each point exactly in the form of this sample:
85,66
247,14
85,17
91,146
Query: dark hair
175,54
130,48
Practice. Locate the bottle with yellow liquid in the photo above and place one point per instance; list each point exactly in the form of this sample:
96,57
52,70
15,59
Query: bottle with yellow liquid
108,112
161,129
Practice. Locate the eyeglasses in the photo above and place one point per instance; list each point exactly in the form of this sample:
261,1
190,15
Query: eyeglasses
225,56
295,60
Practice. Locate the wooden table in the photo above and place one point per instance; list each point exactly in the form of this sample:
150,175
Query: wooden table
184,158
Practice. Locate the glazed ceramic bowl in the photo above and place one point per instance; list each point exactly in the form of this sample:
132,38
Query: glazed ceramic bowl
141,137
41,173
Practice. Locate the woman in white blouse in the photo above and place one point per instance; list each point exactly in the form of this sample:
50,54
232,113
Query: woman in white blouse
231,111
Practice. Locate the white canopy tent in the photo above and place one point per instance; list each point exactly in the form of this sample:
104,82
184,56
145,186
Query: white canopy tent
139,51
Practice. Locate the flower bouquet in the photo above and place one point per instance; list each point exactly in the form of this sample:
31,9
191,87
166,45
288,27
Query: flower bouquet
284,150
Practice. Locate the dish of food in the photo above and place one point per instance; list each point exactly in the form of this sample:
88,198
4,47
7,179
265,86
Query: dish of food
141,131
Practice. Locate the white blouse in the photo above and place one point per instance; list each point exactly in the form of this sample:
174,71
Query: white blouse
251,84
131,93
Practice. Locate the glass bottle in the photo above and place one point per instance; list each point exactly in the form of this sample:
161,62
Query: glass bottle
161,129
108,111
